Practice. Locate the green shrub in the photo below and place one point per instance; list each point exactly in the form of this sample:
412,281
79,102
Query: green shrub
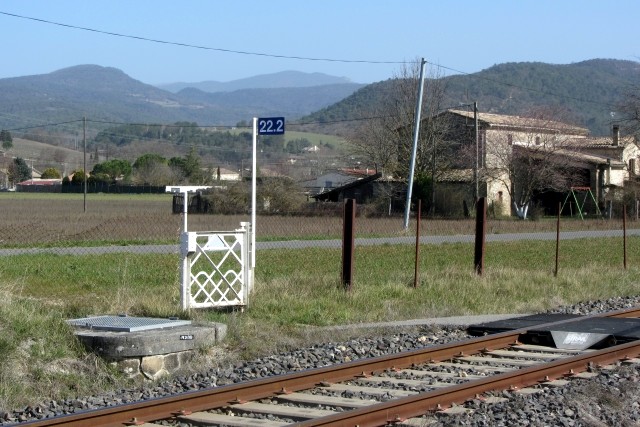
51,173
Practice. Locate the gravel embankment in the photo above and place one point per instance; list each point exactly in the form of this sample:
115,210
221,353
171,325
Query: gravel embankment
610,399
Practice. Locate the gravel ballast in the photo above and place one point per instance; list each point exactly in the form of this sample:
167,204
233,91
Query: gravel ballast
610,399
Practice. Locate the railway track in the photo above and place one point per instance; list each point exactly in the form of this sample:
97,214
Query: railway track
392,389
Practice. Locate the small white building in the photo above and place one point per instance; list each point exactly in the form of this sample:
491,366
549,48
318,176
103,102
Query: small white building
223,174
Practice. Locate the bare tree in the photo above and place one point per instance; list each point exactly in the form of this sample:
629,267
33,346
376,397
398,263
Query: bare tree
629,108
386,137
60,156
153,174
532,158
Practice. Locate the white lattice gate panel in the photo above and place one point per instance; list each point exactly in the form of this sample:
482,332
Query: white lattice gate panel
216,269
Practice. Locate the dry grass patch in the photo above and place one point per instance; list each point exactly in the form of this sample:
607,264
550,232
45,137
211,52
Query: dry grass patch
41,219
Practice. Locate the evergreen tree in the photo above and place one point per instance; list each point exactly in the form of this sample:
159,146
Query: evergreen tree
192,164
19,171
7,139
149,160
113,169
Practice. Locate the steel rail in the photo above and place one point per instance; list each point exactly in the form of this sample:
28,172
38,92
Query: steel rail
217,397
166,407
400,409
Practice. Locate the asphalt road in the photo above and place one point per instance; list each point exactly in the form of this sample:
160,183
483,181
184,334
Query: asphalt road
334,243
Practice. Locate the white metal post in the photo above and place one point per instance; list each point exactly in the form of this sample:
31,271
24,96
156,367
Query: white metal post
185,210
253,194
246,256
185,291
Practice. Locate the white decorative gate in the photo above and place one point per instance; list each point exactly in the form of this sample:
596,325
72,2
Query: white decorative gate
216,268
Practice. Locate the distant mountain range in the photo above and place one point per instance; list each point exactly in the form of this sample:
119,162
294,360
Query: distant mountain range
283,79
108,94
589,90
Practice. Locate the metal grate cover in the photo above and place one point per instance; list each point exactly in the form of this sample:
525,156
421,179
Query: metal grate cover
126,323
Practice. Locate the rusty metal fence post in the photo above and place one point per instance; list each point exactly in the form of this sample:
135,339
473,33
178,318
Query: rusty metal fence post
348,241
481,228
417,264
624,236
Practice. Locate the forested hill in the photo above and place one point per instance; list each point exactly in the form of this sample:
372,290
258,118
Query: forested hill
108,94
589,90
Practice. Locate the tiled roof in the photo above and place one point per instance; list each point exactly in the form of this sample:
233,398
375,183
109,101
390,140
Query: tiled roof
327,194
502,120
599,142
359,172
590,158
41,182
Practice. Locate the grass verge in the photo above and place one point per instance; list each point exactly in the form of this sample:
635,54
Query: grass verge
297,292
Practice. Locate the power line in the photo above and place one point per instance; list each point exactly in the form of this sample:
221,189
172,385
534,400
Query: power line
174,125
302,58
218,49
43,125
474,75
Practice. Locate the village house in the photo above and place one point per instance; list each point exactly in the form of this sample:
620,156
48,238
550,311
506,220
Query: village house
40,185
616,159
599,163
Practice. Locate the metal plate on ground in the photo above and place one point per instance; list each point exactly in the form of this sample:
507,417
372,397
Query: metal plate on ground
618,326
577,340
592,332
577,332
517,323
126,323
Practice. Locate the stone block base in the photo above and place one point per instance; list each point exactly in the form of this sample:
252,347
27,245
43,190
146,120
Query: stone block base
153,367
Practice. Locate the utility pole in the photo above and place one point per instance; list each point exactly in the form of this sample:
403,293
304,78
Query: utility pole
84,167
416,133
476,170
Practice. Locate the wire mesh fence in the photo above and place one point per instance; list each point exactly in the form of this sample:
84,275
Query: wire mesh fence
32,224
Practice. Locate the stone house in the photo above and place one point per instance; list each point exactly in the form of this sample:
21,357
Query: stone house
599,163
615,160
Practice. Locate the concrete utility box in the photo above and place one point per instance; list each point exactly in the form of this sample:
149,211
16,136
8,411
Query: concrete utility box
145,346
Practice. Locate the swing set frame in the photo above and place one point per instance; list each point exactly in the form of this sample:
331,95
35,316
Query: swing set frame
572,194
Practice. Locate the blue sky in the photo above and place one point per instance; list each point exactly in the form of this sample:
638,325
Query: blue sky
466,36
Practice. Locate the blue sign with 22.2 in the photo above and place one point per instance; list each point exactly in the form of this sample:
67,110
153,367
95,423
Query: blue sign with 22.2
271,126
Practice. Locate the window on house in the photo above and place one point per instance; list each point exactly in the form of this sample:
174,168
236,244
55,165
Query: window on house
632,166
510,139
328,184
537,140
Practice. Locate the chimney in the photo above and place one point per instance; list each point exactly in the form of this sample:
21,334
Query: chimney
616,135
